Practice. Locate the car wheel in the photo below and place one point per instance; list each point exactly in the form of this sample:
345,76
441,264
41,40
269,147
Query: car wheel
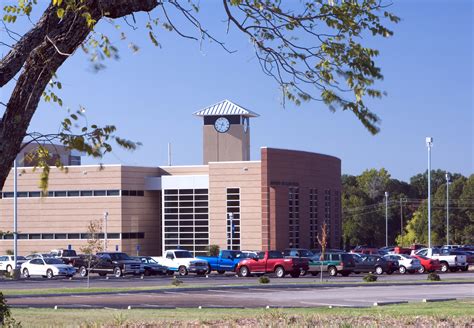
26,273
9,269
279,272
147,272
220,271
332,271
303,272
444,267
244,271
295,274
421,269
402,269
379,270
49,274
83,271
117,272
182,270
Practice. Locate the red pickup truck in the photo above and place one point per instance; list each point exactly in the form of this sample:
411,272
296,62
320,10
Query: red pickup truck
272,261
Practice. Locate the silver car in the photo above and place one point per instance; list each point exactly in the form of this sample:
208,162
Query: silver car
405,262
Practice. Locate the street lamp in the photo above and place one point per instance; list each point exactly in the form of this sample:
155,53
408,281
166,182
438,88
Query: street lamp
386,219
231,219
429,144
15,271
448,180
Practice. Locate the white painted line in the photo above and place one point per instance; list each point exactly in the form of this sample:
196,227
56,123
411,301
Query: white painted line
176,293
267,290
325,304
226,291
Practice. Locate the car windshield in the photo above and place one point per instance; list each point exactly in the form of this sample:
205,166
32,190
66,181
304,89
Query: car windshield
305,253
150,260
69,253
53,261
183,254
20,258
119,257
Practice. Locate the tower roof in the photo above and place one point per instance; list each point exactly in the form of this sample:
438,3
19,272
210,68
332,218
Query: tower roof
225,107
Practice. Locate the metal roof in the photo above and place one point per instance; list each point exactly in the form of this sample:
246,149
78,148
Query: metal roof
225,107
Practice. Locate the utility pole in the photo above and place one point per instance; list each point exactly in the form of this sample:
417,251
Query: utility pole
429,144
106,216
231,218
401,217
448,180
386,219
15,271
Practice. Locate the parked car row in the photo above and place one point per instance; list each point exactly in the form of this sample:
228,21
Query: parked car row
294,262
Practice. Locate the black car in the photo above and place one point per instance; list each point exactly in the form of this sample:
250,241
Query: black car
104,263
151,267
374,263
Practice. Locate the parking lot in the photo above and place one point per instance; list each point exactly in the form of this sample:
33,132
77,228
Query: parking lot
210,280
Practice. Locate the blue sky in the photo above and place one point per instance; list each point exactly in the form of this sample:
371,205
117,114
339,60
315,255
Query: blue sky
151,95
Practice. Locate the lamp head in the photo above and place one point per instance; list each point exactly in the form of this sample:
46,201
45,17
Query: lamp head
429,141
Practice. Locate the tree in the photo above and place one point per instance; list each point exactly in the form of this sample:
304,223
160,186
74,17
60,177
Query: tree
313,51
93,245
374,182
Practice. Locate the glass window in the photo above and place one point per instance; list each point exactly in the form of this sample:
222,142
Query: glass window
73,236
34,236
113,235
113,192
85,193
47,236
60,193
140,193
100,193
73,193
125,193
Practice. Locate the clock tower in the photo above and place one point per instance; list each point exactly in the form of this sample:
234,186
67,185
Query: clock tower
226,132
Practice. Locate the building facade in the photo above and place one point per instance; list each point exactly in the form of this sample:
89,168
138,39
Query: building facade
279,201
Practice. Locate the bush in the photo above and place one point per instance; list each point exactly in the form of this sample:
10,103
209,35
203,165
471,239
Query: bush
214,250
263,280
176,281
370,278
434,277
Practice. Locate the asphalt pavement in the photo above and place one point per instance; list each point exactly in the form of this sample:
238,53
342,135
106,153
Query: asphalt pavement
253,297
212,279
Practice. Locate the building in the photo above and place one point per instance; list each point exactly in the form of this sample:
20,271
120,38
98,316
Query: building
276,202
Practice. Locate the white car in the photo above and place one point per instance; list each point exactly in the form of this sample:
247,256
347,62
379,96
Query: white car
46,267
182,261
405,262
7,262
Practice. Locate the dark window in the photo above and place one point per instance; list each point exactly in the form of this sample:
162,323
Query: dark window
201,210
125,193
171,198
113,235
140,193
60,236
73,193
23,236
201,229
186,197
34,194
73,236
85,235
34,236
125,235
113,192
47,236
60,193
201,191
22,194
8,195
140,235
201,216
100,193
186,191
133,192
9,236
171,192
86,193
185,216
233,190
171,229
201,197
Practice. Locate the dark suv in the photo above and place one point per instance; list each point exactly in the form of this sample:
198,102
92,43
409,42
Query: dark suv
333,263
374,263
115,263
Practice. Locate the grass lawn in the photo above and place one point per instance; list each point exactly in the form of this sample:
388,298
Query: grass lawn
449,314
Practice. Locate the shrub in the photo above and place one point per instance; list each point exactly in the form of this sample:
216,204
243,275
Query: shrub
214,250
263,280
370,278
176,281
434,277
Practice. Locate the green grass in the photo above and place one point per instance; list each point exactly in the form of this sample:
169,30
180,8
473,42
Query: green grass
455,310
79,290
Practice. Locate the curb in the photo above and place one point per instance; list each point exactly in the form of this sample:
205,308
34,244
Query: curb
389,303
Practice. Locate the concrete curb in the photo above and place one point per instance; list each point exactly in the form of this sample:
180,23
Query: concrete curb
429,300
389,303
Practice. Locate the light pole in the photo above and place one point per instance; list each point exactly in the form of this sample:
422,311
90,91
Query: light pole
386,219
429,143
15,271
106,216
401,215
448,180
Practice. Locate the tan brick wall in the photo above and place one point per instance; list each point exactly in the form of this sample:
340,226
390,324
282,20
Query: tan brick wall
243,175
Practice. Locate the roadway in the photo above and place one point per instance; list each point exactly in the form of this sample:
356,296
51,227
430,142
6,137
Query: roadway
213,280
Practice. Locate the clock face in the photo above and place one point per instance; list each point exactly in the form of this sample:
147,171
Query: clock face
222,125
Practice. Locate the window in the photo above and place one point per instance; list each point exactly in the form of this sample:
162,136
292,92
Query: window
313,217
113,192
86,193
293,217
60,194
233,218
100,193
73,193
34,194
185,219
